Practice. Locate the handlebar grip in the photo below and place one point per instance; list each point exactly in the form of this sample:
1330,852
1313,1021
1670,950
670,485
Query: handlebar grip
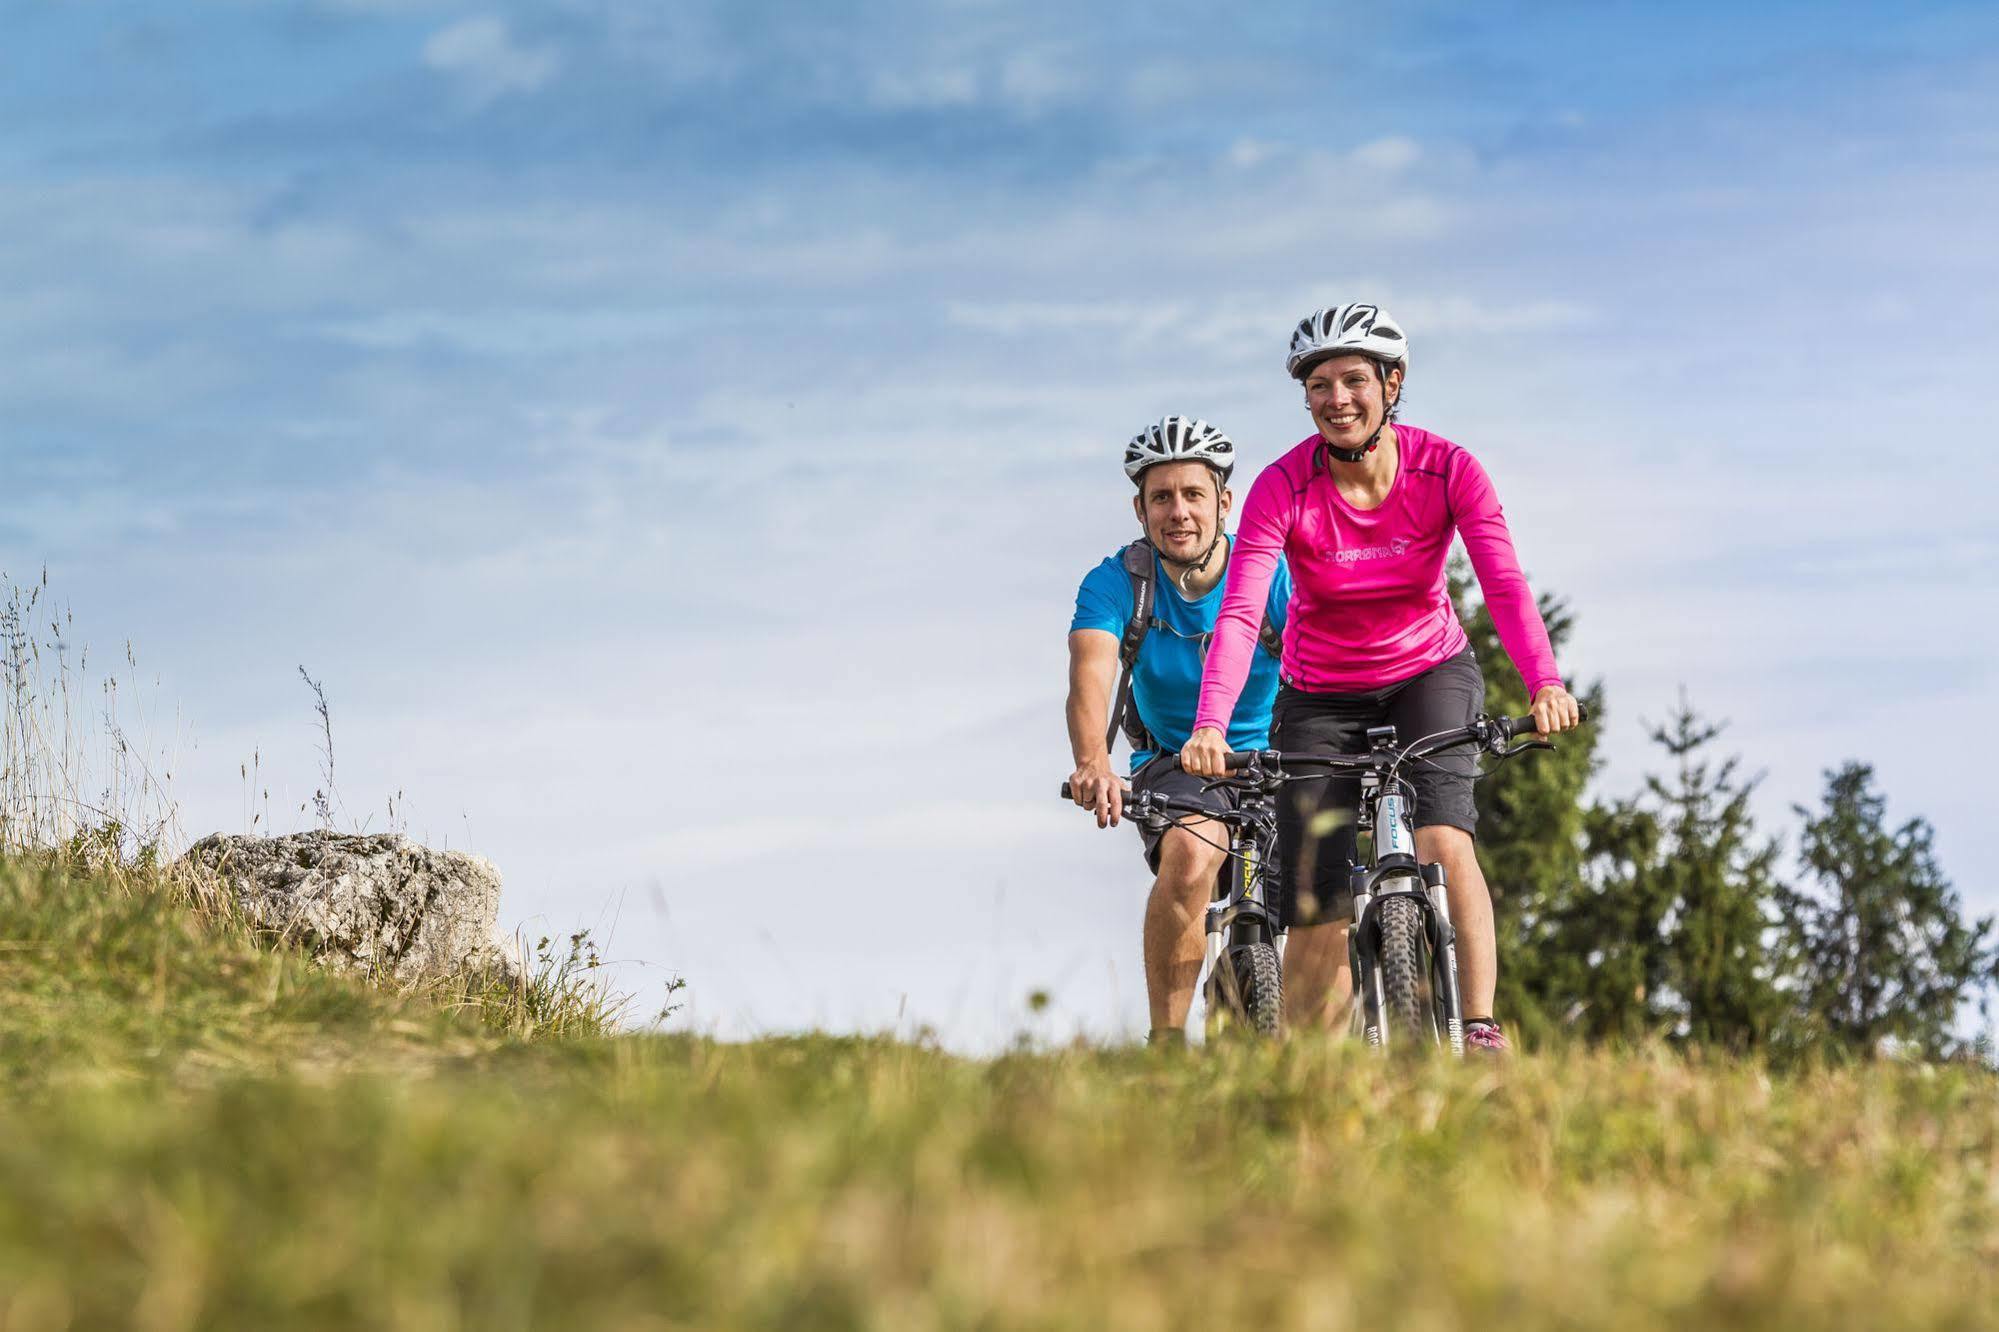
1512,726
1131,797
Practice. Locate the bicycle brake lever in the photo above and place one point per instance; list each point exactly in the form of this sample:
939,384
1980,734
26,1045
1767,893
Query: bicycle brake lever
1526,745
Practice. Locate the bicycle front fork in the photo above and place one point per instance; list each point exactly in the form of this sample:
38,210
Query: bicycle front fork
1446,1001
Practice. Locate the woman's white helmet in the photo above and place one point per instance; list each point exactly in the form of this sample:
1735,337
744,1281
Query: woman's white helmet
1347,330
1179,439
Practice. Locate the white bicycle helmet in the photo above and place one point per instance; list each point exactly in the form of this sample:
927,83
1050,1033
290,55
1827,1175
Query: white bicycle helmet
1179,439
1347,330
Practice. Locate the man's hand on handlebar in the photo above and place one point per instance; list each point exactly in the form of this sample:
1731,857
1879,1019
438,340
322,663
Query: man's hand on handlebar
1205,752
1555,710
1096,788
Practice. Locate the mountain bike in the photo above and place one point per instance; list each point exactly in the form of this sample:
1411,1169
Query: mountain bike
1401,946
1243,975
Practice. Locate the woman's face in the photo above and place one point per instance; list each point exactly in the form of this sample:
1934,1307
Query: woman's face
1348,400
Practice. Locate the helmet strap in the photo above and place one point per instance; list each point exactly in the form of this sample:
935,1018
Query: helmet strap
1360,454
1187,571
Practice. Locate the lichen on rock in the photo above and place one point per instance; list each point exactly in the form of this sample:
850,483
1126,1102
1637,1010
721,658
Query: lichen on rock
379,904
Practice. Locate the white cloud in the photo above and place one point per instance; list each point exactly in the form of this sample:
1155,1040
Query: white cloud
1033,81
483,55
507,332
1458,315
1257,318
1390,154
1247,152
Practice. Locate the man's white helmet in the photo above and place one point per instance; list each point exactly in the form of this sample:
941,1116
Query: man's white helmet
1179,439
1347,330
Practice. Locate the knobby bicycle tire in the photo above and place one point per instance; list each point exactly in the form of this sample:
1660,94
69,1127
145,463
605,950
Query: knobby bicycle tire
1399,957
1259,984
1245,993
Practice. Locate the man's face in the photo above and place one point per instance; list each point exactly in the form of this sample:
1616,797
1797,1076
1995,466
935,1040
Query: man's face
1181,509
1348,399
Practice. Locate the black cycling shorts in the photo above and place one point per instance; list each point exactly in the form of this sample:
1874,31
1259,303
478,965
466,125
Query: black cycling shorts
1163,773
1317,844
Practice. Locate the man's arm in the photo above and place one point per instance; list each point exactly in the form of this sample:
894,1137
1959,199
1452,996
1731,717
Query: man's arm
1092,676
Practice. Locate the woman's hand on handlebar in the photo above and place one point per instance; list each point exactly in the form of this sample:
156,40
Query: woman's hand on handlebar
1096,788
1204,753
1555,710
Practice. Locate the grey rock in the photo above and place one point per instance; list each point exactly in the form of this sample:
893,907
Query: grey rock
381,904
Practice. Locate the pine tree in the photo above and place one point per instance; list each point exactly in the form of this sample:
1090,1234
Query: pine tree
1606,950
1669,930
1882,950
1720,879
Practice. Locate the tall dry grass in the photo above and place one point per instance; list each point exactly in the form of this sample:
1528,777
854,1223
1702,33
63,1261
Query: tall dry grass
81,771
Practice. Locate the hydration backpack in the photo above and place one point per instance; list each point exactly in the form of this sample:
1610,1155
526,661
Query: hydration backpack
1138,563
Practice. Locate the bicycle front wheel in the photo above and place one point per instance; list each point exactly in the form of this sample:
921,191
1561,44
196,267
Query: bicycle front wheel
1399,959
1245,992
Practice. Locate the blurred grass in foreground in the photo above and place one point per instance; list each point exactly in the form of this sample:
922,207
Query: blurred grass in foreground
199,1132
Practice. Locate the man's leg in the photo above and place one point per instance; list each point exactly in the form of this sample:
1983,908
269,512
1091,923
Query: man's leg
1471,913
1175,918
1318,983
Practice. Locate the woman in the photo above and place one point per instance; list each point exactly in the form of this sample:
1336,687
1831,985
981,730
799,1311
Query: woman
1365,510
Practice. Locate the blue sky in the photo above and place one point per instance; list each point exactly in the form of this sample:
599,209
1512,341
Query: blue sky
674,432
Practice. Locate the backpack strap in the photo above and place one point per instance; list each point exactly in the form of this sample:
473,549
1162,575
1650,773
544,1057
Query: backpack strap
1269,636
1138,565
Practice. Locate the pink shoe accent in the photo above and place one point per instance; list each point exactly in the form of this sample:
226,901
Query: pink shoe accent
1487,1039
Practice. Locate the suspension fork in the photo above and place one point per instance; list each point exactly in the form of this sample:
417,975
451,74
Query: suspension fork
1444,957
1384,812
1226,928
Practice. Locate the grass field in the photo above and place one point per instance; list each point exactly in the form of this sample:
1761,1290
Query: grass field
198,1132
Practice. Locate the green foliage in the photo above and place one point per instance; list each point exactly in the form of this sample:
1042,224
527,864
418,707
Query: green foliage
1718,880
1664,913
562,994
1882,950
1667,929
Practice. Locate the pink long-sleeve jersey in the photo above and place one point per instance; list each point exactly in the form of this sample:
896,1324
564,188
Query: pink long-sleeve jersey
1369,603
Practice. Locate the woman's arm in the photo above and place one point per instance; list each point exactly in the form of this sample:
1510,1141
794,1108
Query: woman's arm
1522,632
1259,541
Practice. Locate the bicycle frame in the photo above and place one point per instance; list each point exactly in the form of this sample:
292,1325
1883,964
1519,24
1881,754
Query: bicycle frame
1240,912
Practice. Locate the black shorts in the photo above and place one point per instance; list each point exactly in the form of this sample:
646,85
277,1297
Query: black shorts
1317,845
1162,773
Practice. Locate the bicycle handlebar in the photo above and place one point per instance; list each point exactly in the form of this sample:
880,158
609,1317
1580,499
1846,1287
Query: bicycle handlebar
1156,802
1500,729
1496,728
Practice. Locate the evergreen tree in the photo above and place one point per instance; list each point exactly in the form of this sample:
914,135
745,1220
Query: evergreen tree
1882,949
1668,930
1720,879
1608,937
1530,826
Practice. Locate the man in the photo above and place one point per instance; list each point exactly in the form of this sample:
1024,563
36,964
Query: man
1181,468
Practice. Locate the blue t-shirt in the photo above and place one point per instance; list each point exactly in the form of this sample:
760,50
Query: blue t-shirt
1166,681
